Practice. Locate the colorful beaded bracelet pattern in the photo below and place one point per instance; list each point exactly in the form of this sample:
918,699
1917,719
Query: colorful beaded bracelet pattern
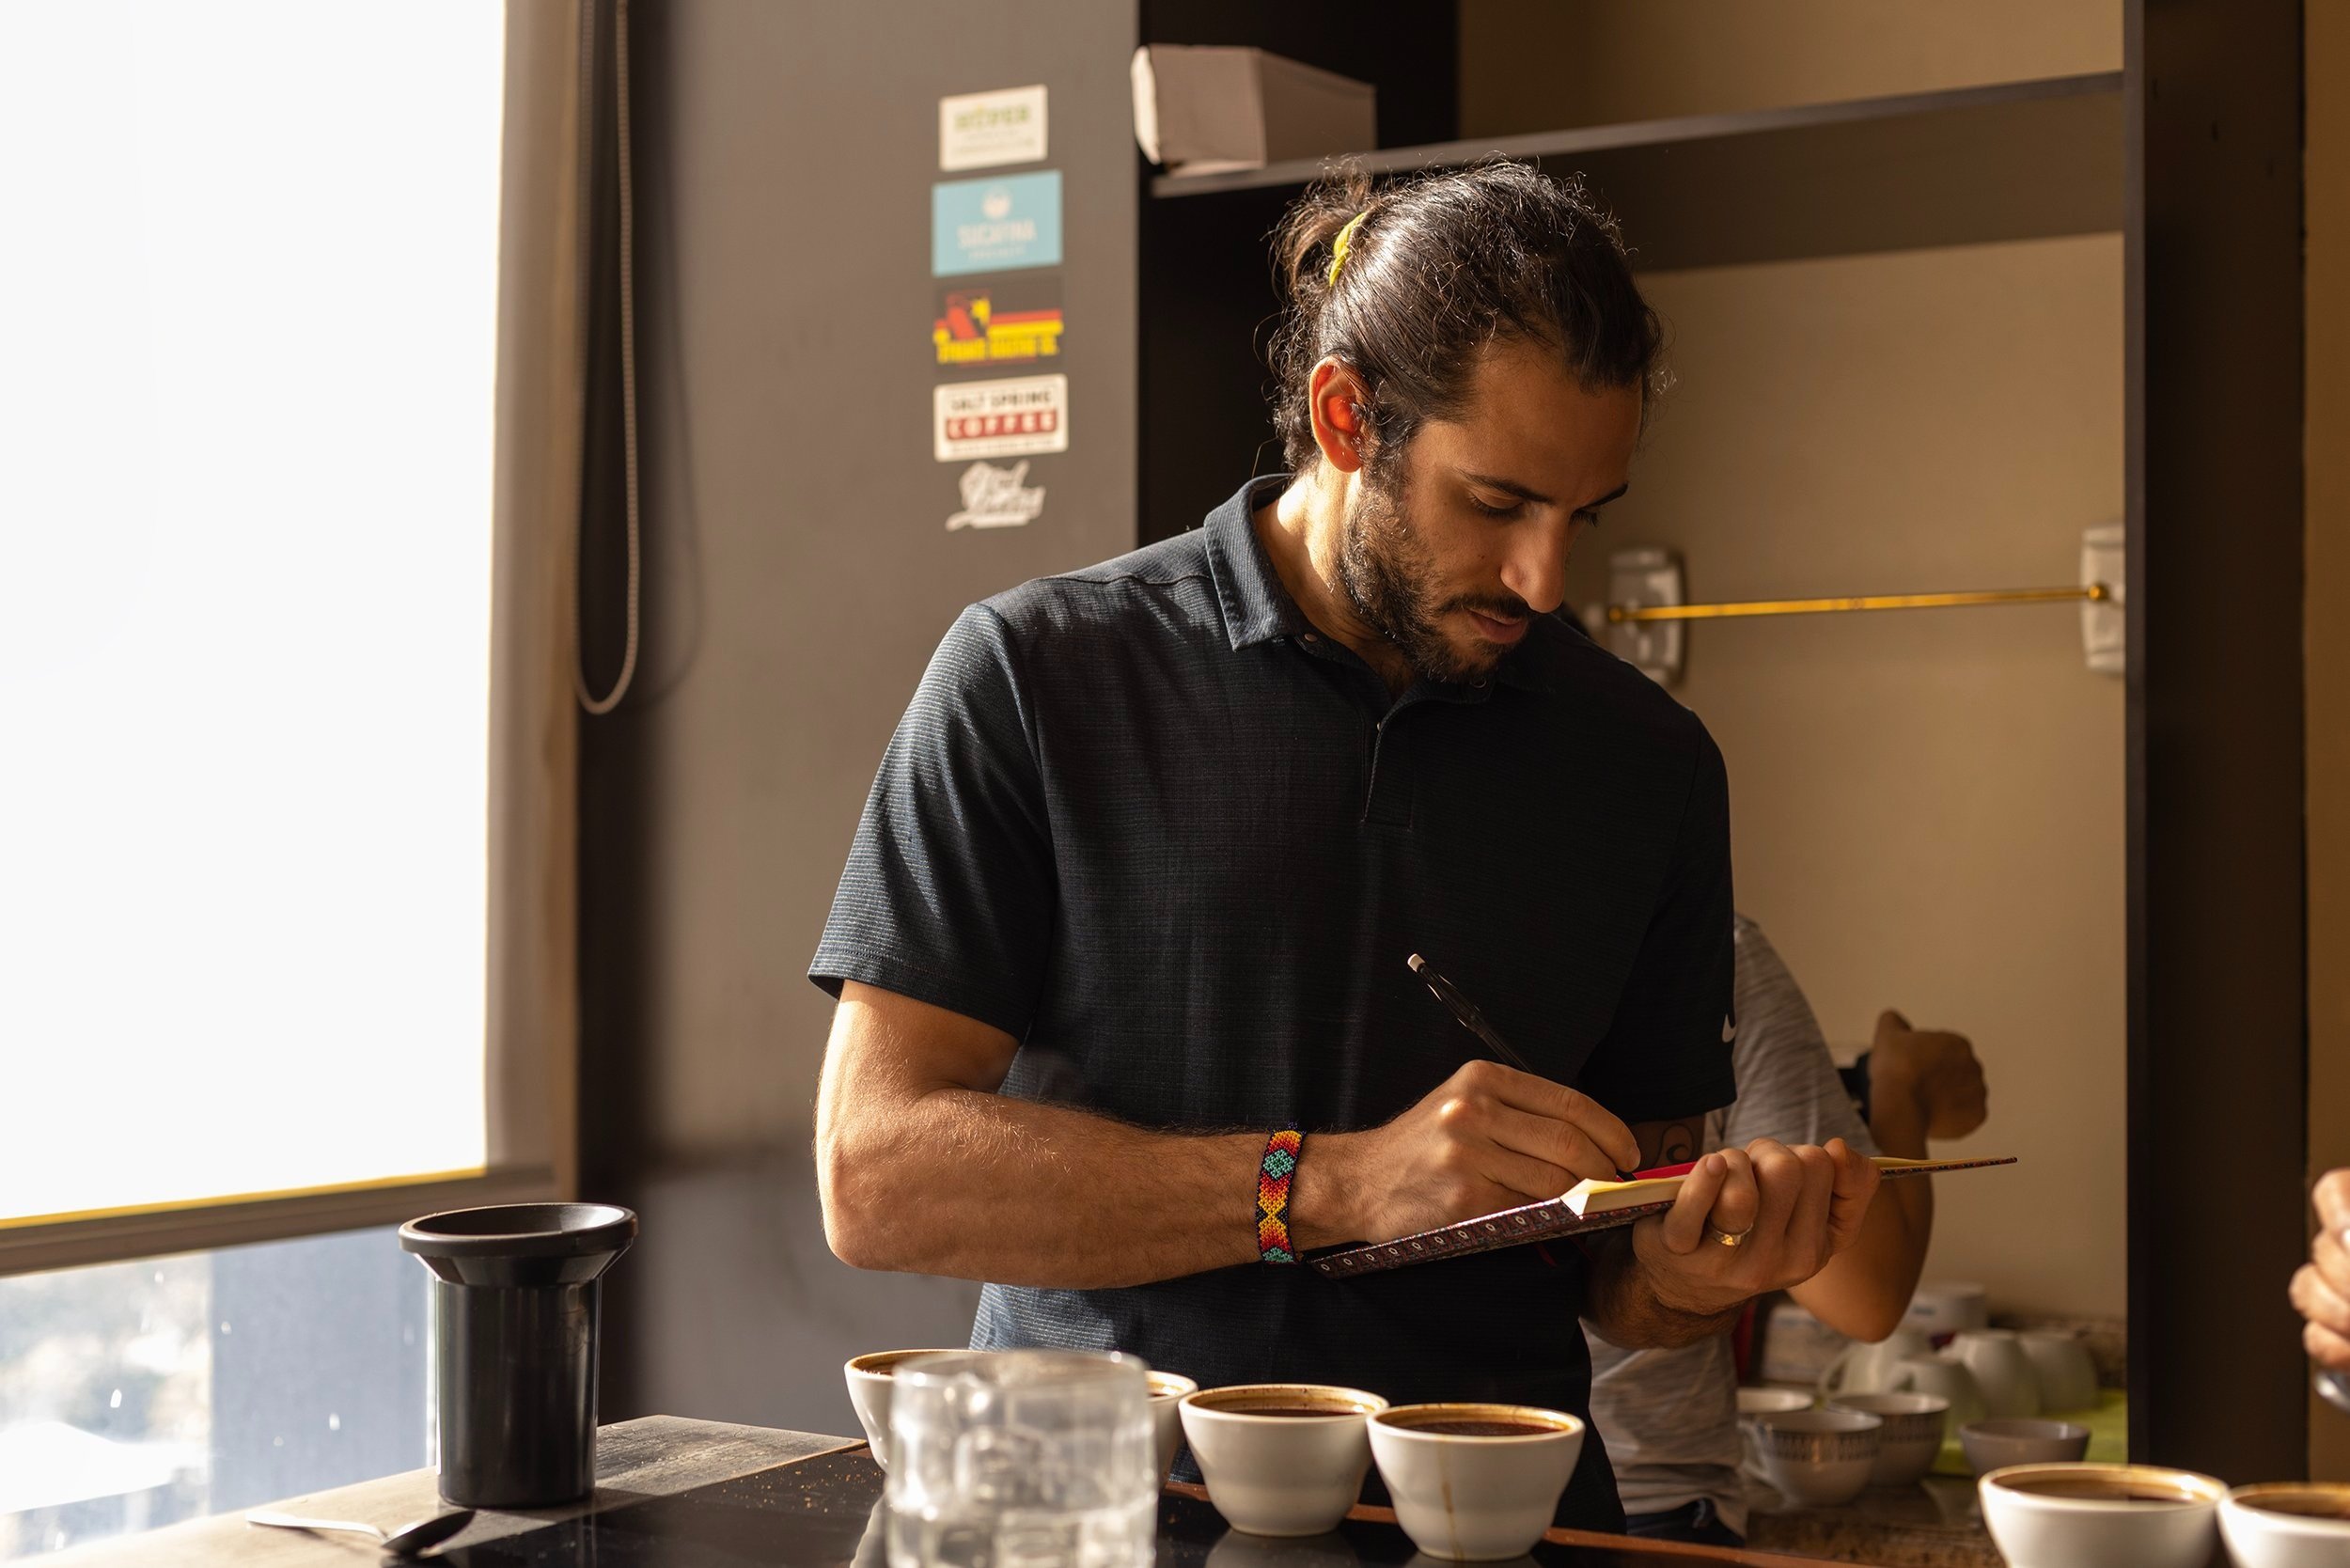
1273,1196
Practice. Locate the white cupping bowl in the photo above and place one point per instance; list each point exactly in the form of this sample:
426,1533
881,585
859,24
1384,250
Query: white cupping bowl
1818,1458
1280,1475
871,1379
1915,1426
1475,1497
1764,1401
2036,1530
2026,1440
2272,1537
1166,1423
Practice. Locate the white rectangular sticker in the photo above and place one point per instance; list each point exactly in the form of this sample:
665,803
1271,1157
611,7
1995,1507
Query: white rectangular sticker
981,130
1000,419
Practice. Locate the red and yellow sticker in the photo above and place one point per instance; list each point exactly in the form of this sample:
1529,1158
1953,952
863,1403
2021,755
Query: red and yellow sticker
977,326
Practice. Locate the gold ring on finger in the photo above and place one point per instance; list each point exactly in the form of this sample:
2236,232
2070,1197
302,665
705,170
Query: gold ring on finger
1727,1238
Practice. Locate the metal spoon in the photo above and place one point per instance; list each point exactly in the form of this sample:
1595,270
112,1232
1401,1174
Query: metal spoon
407,1541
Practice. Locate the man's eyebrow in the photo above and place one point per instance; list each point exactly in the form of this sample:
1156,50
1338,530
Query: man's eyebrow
1527,492
1509,487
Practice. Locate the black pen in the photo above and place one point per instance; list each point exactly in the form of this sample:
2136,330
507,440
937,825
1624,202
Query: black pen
1473,1020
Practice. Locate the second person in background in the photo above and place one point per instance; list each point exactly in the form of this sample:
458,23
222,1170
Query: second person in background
1671,1417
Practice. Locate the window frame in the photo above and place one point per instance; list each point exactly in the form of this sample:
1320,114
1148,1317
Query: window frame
530,959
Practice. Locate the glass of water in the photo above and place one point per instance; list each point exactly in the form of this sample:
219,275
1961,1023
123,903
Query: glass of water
1022,1459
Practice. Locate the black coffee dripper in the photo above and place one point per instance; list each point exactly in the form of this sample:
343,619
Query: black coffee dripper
515,1307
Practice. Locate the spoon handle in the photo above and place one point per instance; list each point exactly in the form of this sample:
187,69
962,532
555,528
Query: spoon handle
295,1521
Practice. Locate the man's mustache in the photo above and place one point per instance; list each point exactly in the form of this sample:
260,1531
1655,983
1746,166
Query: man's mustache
1510,609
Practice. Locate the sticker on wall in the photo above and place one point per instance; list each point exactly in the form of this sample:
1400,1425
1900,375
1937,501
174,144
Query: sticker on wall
989,226
997,497
994,323
1000,419
981,130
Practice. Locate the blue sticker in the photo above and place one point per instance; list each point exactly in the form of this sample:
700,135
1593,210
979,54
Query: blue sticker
992,226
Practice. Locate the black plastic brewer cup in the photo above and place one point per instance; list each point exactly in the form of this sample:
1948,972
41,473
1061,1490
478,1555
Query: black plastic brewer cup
515,1303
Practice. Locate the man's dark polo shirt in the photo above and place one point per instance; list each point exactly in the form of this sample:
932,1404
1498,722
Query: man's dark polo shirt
1147,821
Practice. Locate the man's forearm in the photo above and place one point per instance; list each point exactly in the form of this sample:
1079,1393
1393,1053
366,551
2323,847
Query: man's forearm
1625,1309
1866,1289
977,1185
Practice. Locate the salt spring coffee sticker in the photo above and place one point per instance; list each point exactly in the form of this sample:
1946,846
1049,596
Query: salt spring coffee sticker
981,130
1008,321
1000,419
997,497
993,226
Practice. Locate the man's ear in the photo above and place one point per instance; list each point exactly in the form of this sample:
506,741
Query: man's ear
1336,400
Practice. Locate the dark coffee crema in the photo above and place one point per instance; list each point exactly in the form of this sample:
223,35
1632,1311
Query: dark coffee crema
2303,1505
1483,1429
1301,1411
2103,1489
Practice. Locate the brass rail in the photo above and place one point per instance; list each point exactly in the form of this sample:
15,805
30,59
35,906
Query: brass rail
2095,593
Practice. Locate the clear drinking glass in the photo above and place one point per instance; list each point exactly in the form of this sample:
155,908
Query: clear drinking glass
1022,1459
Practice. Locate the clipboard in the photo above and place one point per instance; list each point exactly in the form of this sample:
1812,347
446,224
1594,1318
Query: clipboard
1586,1208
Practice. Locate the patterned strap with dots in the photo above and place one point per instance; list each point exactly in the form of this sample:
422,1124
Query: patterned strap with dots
1274,1176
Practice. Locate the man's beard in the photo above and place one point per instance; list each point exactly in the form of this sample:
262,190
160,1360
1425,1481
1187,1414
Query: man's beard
1389,575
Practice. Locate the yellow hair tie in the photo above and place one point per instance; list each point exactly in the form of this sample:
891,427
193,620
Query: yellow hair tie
1338,246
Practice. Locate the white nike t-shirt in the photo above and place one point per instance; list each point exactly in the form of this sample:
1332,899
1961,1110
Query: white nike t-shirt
1670,1418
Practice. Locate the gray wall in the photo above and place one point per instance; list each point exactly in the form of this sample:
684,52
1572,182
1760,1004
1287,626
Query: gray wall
798,575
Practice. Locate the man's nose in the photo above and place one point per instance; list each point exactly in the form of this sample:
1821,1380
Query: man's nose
1536,569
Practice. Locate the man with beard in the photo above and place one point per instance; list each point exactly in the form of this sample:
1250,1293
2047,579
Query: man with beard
1120,946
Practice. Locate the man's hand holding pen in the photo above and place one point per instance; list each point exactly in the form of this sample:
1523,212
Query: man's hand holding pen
1487,1138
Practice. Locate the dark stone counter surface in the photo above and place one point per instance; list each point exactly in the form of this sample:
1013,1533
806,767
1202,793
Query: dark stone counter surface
682,1494
824,1512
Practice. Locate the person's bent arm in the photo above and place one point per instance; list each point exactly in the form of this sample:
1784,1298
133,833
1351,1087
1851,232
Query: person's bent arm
1922,1083
922,1165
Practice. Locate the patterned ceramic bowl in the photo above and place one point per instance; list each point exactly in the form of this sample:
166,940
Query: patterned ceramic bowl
1818,1458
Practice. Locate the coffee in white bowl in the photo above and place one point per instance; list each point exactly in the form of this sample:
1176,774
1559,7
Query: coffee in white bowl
2100,1515
1167,1425
870,1381
1475,1482
1281,1458
2288,1524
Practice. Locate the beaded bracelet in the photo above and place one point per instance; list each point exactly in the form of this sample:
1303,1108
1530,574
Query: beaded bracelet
1273,1196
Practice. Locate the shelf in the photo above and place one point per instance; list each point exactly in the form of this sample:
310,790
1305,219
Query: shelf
2010,160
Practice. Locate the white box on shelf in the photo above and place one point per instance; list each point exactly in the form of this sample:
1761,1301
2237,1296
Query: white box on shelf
1204,109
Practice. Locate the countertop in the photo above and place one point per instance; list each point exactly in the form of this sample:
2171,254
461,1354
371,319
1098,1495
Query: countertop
1935,1524
673,1493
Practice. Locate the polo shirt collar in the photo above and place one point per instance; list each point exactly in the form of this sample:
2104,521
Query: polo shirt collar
1258,608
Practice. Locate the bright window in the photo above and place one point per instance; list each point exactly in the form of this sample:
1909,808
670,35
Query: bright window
247,344
135,1394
